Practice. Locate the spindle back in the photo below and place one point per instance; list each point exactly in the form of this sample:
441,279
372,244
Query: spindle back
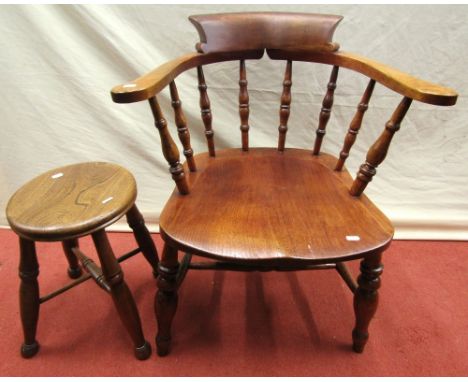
284,36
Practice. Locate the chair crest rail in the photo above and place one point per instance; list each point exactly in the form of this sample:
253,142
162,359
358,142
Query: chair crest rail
229,32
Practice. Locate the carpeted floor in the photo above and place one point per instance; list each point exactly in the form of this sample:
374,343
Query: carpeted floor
249,324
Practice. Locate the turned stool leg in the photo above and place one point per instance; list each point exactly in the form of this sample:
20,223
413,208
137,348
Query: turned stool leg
366,299
74,270
166,298
29,296
121,295
143,238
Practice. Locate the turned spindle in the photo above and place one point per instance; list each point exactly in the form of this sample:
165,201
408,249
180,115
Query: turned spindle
285,106
206,111
182,129
244,106
169,148
355,126
325,112
378,151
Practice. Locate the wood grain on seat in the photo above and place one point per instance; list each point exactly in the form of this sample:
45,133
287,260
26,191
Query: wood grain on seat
71,200
266,205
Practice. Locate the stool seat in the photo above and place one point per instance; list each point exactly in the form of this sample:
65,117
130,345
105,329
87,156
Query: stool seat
71,201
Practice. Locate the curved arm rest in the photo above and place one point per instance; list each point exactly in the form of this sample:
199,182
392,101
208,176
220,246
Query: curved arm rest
150,84
394,79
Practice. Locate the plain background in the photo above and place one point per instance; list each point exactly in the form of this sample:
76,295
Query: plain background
60,62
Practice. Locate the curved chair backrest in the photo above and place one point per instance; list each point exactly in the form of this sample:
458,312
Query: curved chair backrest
284,36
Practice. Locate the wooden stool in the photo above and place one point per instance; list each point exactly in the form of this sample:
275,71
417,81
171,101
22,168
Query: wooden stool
67,203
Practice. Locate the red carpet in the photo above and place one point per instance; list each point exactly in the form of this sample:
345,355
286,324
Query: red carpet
249,324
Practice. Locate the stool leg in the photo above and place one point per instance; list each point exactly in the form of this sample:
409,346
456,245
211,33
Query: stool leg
166,298
143,238
74,270
366,299
121,295
29,296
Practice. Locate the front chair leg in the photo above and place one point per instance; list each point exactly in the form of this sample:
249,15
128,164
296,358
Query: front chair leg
123,299
166,298
366,299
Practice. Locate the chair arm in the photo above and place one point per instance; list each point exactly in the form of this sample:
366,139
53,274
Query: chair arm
150,84
394,79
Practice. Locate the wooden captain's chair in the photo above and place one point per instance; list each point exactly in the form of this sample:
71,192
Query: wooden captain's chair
273,208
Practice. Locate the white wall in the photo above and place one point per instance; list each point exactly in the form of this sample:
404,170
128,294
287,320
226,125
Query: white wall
60,62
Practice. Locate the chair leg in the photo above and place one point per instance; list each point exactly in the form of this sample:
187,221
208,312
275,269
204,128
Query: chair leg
74,270
121,294
29,296
166,298
143,238
366,299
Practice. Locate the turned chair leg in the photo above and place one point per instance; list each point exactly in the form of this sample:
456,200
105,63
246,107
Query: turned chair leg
366,299
29,296
121,294
166,298
74,270
143,238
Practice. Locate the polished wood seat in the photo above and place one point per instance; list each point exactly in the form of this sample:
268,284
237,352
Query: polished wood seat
282,209
71,201
306,206
67,203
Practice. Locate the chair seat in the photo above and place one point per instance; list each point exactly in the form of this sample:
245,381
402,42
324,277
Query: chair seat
71,201
264,205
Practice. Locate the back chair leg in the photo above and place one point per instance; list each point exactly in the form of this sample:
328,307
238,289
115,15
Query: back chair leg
143,238
166,298
74,270
366,299
29,296
121,294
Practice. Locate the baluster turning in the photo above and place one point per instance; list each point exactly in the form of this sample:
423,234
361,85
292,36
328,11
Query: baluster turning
244,106
325,112
182,129
206,111
355,125
169,148
378,151
285,106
